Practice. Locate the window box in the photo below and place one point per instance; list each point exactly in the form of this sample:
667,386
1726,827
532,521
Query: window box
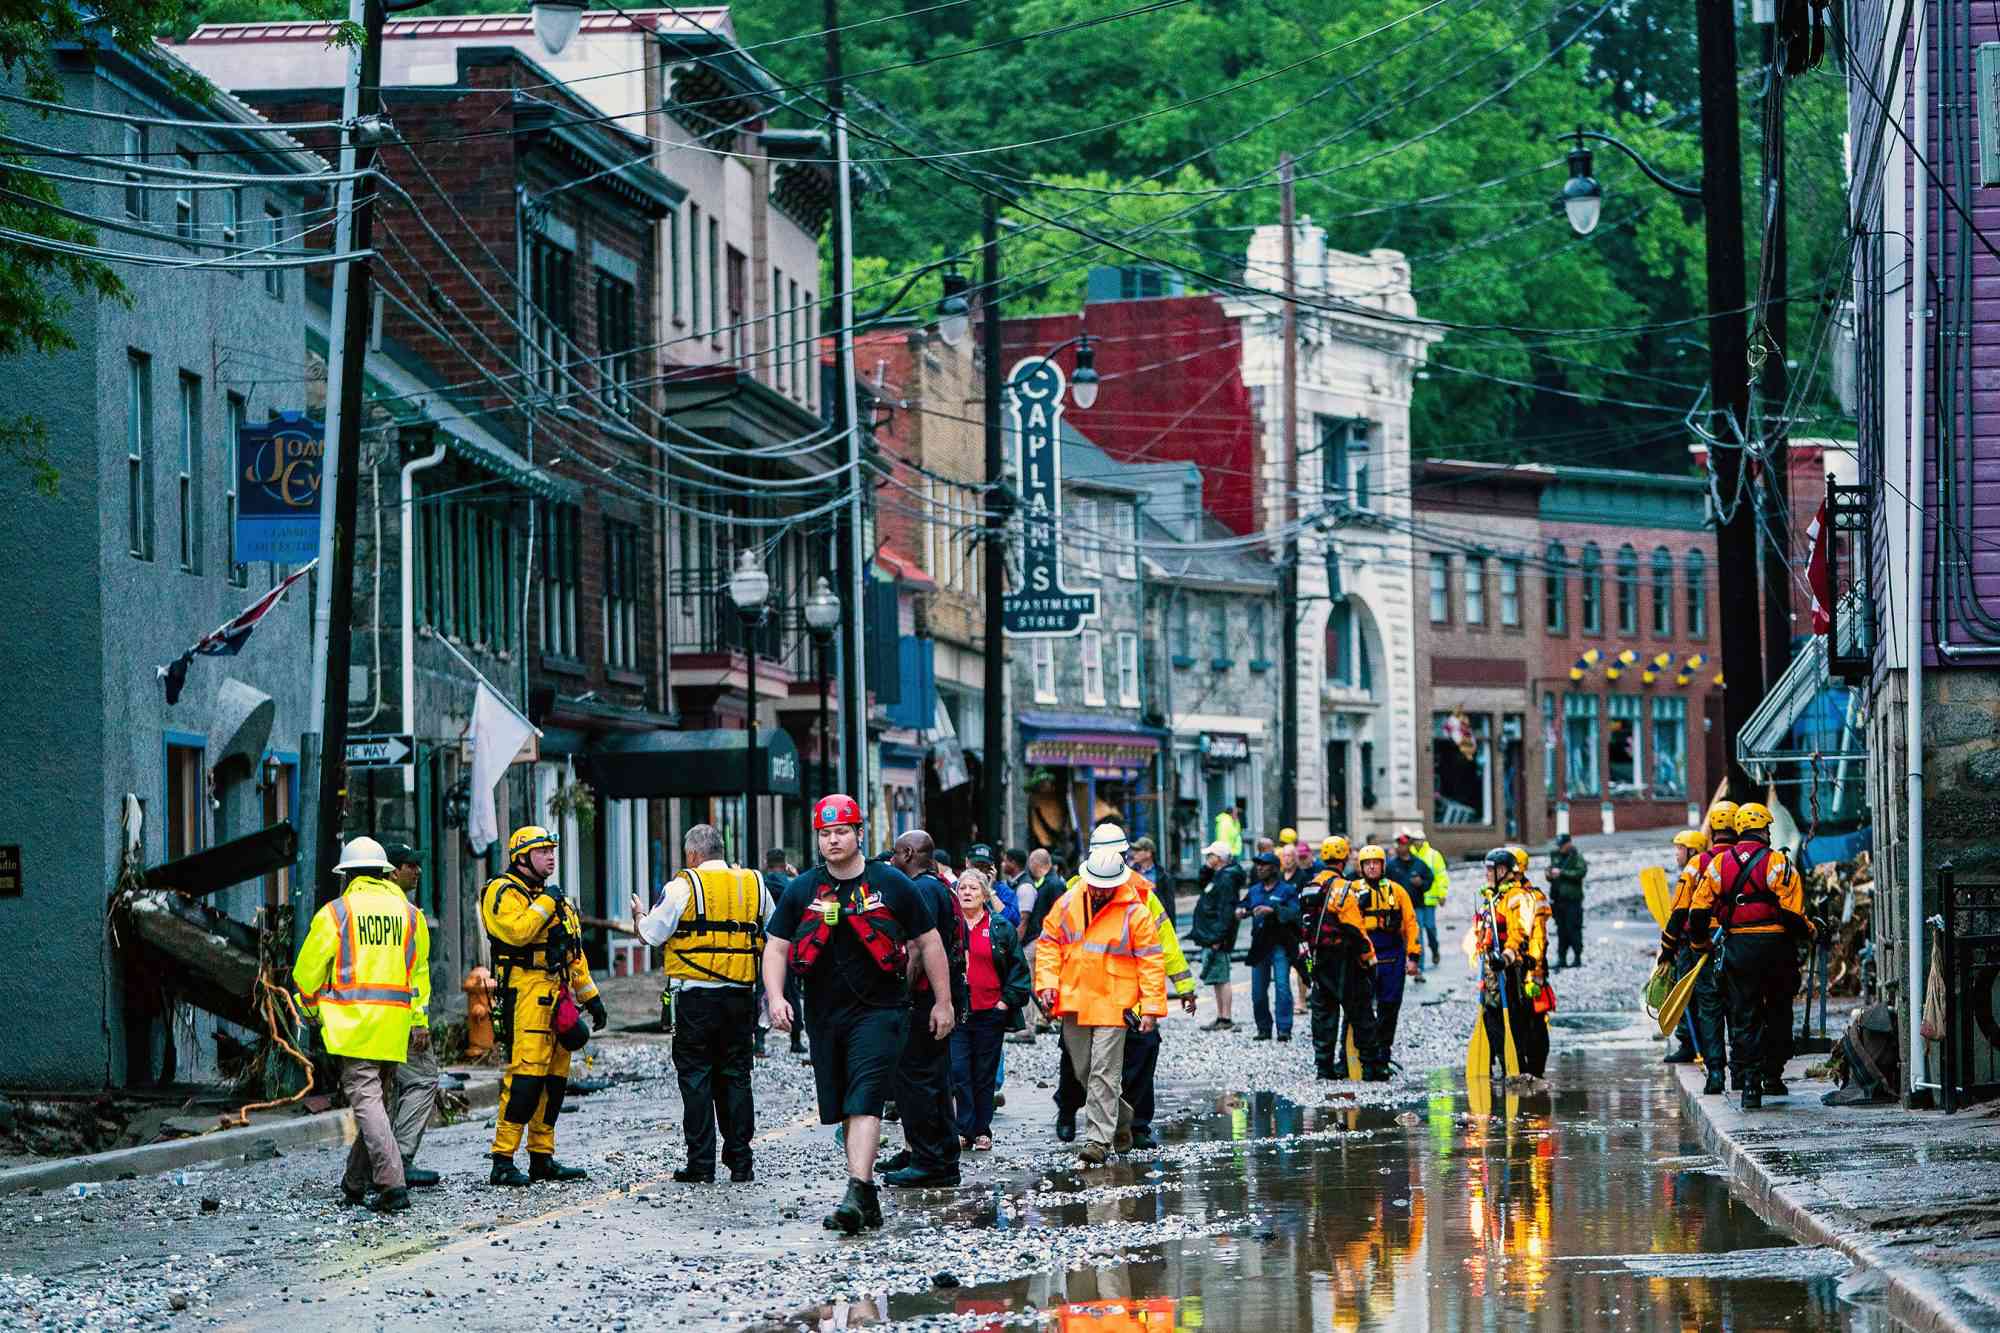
1221,663
1183,661
1259,664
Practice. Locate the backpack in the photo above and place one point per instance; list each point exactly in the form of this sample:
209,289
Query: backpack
1868,1061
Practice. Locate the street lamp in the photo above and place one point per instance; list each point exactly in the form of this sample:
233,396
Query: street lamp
954,311
1083,384
822,615
750,589
1582,198
556,22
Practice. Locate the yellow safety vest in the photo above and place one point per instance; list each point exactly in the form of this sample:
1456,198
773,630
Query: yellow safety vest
721,932
365,971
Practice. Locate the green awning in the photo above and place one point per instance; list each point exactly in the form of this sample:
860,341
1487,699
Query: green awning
641,765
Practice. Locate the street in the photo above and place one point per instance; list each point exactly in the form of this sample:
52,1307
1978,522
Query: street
1275,1202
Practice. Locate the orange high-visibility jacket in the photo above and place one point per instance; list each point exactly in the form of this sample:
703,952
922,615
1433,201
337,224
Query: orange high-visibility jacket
1102,964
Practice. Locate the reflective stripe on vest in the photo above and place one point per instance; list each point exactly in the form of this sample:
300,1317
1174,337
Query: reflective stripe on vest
350,927
722,946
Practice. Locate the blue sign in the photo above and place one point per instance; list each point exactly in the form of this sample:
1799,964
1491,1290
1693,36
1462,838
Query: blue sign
277,489
1043,607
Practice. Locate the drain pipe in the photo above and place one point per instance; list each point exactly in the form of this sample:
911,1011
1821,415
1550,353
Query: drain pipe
1913,546
407,574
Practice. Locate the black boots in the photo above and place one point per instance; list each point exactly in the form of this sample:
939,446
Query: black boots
1066,1128
1716,1079
860,1207
505,1172
1683,1056
390,1201
1753,1094
417,1178
544,1166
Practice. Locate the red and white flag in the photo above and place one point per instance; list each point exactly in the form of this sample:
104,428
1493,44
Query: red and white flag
1819,573
226,639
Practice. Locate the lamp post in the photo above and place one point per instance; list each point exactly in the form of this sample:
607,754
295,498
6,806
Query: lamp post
750,589
1720,194
822,615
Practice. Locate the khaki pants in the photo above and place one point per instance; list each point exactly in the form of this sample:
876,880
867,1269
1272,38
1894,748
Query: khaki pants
415,1097
375,1156
1098,1056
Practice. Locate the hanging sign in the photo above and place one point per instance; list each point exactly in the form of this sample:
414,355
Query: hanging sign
1041,607
277,489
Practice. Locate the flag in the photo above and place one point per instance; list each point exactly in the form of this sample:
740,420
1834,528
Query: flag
1819,573
497,735
227,639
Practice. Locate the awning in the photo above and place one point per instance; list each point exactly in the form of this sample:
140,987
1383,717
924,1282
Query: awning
1805,714
901,567
1084,740
240,727
641,765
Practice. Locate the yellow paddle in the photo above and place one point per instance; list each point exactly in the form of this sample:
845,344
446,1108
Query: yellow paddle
1353,1057
1653,883
1479,1095
1511,1058
1479,1053
1678,997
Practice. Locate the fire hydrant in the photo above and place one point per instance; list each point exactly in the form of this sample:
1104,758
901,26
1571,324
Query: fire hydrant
479,991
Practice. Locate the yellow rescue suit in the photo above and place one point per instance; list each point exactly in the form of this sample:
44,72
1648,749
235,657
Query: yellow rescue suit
536,949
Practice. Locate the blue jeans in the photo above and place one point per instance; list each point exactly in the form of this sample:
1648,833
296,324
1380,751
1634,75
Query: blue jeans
1427,926
1277,963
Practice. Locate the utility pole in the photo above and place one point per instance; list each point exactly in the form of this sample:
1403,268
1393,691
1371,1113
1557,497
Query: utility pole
994,771
1288,566
1729,384
334,613
1777,374
852,561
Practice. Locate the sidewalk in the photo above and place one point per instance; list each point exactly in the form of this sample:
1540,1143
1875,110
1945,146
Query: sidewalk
1911,1196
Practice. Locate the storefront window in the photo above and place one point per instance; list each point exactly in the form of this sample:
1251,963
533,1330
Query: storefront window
1622,749
1669,747
1580,744
1461,768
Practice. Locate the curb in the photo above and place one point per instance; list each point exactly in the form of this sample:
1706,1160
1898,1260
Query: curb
1913,1296
327,1129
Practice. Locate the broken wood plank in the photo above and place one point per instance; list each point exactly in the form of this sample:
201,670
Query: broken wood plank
213,957
230,863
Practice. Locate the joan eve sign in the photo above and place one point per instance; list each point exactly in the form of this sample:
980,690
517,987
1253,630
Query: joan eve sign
277,489
1042,607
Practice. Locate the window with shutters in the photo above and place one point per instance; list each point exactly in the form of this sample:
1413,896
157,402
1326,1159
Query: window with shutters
561,580
617,341
552,301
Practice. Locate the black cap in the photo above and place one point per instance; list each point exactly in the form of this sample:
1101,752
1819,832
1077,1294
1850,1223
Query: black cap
978,851
1264,859
402,854
1564,840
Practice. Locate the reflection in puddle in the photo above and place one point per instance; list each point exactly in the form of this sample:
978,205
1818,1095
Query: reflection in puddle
1585,1207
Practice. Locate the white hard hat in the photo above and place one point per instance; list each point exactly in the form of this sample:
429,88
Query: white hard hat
1105,867
363,854
1109,836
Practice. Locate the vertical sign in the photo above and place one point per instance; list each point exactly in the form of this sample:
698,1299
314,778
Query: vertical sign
1042,608
277,489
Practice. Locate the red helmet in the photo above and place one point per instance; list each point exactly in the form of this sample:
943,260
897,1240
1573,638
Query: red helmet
831,811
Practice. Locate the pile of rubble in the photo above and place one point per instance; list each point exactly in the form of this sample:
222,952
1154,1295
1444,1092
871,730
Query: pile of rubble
1842,894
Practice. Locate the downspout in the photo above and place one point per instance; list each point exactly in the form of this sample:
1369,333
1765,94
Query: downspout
406,574
1913,546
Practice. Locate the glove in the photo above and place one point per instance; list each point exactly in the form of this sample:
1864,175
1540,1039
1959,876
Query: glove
599,1016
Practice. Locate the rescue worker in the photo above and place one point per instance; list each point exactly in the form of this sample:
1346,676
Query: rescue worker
1513,945
851,928
1440,888
1229,829
711,920
1217,914
363,975
1710,1003
923,1071
1689,844
1567,869
1391,921
416,1091
1754,893
1341,963
536,938
1142,1049
1415,877
1100,968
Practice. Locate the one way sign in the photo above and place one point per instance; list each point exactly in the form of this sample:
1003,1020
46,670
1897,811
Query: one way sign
380,751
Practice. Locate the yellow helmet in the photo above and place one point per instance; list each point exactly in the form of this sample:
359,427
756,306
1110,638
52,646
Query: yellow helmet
528,837
1334,851
1372,853
1693,839
1722,817
1752,815
1520,858
1287,836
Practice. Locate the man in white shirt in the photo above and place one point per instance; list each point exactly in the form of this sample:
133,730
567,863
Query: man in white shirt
711,920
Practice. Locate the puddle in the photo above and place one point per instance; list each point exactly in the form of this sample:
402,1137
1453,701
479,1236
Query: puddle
1590,1205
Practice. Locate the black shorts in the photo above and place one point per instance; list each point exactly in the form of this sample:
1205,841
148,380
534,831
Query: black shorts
854,1054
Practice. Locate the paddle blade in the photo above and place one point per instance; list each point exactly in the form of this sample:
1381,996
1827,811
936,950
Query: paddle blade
1479,1053
1353,1057
1653,883
1678,997
1479,1096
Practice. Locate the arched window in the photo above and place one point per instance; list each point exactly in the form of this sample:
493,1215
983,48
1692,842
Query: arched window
1663,592
1592,577
1628,590
1697,576
1555,585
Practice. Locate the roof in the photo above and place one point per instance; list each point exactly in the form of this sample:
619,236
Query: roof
178,75
1239,567
714,20
902,567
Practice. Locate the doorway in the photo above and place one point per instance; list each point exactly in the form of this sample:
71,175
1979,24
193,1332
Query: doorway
1336,786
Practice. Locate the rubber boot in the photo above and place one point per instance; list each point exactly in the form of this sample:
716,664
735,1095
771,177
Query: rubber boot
848,1215
871,1205
1753,1094
505,1172
1066,1128
390,1201
417,1178
1716,1083
543,1166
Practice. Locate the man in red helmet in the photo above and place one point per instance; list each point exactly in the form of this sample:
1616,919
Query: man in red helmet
851,929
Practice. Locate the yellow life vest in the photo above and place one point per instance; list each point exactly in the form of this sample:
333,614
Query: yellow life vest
721,932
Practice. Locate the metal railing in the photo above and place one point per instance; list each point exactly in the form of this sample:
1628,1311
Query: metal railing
1969,1070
